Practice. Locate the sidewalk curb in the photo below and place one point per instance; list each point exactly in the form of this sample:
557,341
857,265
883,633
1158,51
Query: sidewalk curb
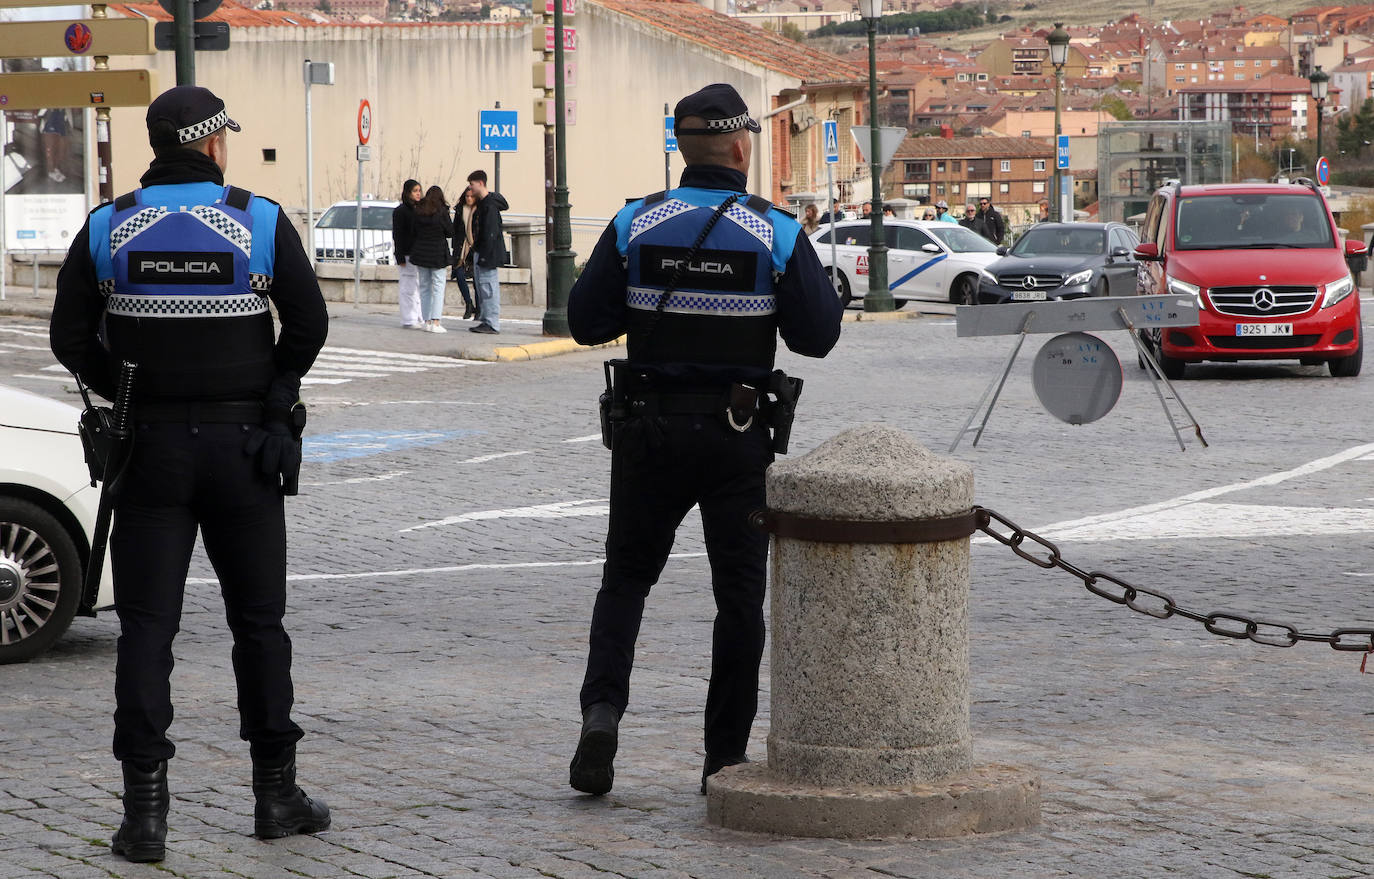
537,350
861,316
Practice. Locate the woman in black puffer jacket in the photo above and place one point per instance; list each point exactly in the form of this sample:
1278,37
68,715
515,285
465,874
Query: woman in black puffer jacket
429,253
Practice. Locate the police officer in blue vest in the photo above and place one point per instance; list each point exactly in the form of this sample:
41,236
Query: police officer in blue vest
702,278
176,277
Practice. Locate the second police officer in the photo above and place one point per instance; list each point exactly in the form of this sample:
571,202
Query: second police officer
702,278
175,277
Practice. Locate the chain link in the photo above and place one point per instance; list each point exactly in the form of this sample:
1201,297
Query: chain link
1152,603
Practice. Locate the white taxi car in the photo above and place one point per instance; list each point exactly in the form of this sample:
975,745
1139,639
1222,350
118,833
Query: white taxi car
47,514
926,260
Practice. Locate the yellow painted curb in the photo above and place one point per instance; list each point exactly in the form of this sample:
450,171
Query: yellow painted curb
538,350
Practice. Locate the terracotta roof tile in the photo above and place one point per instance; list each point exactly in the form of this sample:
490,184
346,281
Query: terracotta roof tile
692,21
972,148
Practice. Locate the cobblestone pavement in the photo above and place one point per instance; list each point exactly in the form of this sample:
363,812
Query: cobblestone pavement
444,554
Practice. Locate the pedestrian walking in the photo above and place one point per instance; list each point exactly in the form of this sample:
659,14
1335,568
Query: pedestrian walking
429,252
689,413
489,252
811,219
970,219
463,214
402,240
176,277
942,212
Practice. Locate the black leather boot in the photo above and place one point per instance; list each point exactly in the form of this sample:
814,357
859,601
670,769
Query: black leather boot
142,836
591,771
283,809
716,764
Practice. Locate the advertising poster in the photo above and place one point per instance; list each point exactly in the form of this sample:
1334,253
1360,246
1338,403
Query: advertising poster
43,158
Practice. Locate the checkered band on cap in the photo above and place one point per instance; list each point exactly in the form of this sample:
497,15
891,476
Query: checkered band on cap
734,123
203,129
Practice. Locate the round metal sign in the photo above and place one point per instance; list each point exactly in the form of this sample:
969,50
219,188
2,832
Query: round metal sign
1323,171
1077,377
364,121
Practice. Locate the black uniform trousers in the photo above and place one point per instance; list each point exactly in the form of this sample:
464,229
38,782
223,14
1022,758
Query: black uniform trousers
660,467
182,477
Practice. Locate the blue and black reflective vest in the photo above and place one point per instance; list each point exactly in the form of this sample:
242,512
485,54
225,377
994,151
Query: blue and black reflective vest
723,310
185,271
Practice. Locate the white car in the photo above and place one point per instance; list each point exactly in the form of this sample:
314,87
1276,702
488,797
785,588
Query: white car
926,260
336,229
47,514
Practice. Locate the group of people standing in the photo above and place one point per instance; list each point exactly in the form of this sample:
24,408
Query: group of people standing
431,247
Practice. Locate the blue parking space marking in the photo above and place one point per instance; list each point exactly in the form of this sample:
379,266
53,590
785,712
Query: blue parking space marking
362,443
916,271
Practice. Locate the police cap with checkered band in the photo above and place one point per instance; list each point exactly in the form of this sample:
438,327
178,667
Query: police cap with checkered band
184,114
720,105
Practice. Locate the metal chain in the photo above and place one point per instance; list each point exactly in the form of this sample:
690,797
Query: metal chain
1044,554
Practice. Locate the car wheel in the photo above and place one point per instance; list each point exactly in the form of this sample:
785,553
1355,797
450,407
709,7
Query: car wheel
40,580
1172,367
1348,367
899,304
964,291
841,287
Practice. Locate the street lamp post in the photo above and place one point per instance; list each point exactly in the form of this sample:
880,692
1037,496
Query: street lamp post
1059,55
879,297
1320,81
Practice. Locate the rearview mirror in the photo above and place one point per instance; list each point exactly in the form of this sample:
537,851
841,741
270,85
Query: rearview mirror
1147,251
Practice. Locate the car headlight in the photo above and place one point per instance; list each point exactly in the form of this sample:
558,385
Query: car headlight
988,276
1183,288
1338,290
1077,278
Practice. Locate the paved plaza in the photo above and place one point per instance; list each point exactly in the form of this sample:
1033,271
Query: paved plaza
445,553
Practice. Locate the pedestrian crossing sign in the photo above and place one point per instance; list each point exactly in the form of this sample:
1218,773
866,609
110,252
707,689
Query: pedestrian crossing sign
832,142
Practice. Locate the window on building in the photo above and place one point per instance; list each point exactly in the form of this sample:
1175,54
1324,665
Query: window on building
979,169
1258,62
1258,75
1004,188
269,156
1240,76
954,166
1025,132
1180,67
1006,164
1039,164
939,167
1192,79
979,190
954,189
939,189
917,170
1037,186
1274,62
916,190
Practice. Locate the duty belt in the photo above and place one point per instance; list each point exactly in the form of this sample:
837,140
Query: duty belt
677,404
201,412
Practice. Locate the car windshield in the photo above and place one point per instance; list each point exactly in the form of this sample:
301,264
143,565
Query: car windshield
345,216
1251,220
961,240
1058,241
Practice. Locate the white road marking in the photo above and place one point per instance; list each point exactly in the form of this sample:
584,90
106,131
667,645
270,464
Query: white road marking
447,569
35,332
311,380
584,439
1223,520
16,346
361,479
482,459
561,510
432,359
331,401
1155,520
46,378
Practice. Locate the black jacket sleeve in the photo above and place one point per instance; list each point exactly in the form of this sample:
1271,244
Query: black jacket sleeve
488,241
74,330
596,305
402,233
300,304
809,311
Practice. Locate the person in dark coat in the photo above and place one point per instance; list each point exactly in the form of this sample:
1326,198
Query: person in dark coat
702,334
430,253
993,226
489,252
402,239
187,295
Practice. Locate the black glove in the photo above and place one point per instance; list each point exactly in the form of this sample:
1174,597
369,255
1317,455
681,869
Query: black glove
279,453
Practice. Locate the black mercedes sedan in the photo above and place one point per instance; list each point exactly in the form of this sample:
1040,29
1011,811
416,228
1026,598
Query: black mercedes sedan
1062,261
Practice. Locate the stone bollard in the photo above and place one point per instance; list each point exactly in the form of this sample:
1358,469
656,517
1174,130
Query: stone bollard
870,694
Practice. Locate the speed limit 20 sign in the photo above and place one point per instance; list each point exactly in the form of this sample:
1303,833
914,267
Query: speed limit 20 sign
364,121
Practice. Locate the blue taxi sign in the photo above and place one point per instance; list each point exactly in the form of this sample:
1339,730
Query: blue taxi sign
498,131
669,135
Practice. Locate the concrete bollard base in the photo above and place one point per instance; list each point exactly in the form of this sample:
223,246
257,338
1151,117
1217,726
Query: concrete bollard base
989,798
